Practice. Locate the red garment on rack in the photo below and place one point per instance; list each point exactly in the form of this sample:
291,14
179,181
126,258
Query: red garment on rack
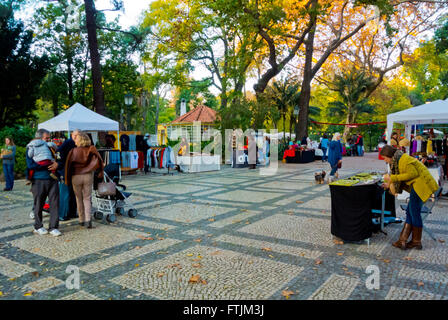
162,152
141,160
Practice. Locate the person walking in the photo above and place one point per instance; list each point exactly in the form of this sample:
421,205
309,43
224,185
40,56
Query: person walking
324,146
335,156
8,155
411,175
44,186
80,166
360,145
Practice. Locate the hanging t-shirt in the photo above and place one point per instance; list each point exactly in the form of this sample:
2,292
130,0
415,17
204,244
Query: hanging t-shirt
133,160
132,142
124,140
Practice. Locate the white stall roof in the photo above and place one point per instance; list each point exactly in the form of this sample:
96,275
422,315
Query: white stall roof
79,117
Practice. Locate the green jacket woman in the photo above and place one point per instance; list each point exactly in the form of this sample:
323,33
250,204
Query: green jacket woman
410,175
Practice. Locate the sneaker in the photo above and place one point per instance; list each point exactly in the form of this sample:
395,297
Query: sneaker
55,233
32,215
41,231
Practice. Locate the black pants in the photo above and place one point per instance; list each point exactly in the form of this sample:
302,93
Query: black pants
72,212
42,189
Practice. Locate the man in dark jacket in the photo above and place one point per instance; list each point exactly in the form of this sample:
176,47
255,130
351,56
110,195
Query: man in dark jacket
44,186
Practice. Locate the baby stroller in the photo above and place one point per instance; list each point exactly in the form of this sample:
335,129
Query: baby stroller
109,205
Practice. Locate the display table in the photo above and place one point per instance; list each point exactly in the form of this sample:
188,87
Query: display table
199,163
240,159
301,157
351,210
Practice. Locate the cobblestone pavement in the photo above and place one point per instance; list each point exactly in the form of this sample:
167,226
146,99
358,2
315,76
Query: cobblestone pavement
244,235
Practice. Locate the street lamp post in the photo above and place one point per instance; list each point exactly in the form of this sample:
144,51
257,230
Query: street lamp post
127,101
370,136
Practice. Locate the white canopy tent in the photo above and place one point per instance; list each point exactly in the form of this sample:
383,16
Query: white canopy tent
430,113
79,117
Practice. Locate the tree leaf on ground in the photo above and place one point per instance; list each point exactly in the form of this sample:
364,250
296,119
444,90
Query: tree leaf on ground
189,254
420,284
145,238
214,253
194,279
266,249
386,260
197,240
160,274
196,265
287,293
340,253
318,261
29,293
441,241
35,273
298,201
211,219
204,282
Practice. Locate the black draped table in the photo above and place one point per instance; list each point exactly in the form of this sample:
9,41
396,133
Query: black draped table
240,159
351,210
301,157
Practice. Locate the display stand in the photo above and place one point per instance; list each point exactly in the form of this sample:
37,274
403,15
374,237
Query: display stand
199,163
240,159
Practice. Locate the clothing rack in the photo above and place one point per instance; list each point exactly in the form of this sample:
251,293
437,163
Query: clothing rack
105,154
150,167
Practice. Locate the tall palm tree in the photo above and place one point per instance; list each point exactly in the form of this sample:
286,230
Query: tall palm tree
352,87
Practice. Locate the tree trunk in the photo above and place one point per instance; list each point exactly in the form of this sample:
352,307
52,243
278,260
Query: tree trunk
305,91
55,106
284,124
156,124
70,78
98,93
347,128
84,75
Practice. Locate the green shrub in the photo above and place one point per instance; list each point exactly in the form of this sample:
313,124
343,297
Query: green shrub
20,165
20,134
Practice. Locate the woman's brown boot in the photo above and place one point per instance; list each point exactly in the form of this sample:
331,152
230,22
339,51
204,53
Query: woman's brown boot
404,235
416,241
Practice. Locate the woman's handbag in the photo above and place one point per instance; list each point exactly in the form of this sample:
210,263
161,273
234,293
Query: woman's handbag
106,189
339,164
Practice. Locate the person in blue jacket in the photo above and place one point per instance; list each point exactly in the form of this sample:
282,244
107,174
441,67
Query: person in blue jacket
324,147
335,155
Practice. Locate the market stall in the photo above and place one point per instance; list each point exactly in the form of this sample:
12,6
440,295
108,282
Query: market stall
432,113
78,117
300,156
435,112
352,202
